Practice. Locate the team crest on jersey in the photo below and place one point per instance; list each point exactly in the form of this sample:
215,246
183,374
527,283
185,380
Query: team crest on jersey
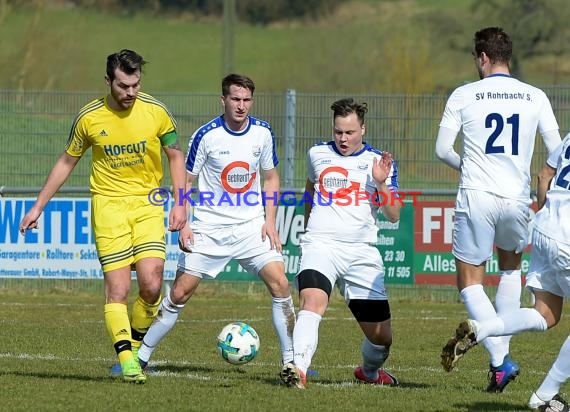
256,151
362,166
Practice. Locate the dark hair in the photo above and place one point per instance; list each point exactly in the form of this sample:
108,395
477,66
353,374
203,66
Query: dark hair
495,43
344,107
126,60
236,80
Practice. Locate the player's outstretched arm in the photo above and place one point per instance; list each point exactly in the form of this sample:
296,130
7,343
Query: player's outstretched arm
310,193
545,176
271,186
178,215
186,236
56,178
380,171
444,150
551,140
186,239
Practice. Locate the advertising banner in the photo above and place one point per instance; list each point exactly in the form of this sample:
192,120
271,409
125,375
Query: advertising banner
415,250
433,261
63,246
396,244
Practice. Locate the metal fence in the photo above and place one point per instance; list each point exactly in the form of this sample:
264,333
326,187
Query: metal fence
34,126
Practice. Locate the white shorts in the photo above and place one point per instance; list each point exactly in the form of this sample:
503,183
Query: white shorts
483,219
356,268
215,246
549,265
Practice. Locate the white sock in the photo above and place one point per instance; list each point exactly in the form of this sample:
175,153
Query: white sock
283,315
558,374
480,308
512,323
305,338
508,296
373,357
167,315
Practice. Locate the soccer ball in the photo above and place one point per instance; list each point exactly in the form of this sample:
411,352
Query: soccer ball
238,343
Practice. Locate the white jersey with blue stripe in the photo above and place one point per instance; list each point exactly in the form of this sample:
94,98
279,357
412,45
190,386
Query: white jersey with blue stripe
499,117
553,219
350,214
228,164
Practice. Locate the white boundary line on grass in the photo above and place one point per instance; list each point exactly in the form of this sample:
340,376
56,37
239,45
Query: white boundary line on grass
205,377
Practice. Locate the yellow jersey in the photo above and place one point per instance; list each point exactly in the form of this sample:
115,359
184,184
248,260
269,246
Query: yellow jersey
126,145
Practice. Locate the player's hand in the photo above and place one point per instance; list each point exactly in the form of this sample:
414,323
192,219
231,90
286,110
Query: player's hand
30,221
381,167
186,239
177,218
268,230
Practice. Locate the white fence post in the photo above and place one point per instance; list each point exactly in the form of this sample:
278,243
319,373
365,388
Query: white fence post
289,131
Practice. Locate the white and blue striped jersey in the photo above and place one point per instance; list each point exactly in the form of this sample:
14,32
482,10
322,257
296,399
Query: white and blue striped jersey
499,117
553,219
350,214
228,164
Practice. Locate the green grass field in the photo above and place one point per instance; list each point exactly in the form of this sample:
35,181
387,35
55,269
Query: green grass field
55,356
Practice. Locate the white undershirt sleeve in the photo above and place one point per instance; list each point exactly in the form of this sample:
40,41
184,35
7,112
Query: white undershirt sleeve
551,140
444,148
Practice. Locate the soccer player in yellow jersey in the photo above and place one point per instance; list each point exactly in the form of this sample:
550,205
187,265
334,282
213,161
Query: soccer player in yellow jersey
126,131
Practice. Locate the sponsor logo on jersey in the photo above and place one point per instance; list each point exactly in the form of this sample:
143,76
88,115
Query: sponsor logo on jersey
236,177
121,149
334,182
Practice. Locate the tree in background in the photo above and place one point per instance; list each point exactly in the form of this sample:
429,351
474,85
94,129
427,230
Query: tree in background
250,11
409,46
537,27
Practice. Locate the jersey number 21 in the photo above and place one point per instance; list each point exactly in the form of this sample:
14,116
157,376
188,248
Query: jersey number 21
496,121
